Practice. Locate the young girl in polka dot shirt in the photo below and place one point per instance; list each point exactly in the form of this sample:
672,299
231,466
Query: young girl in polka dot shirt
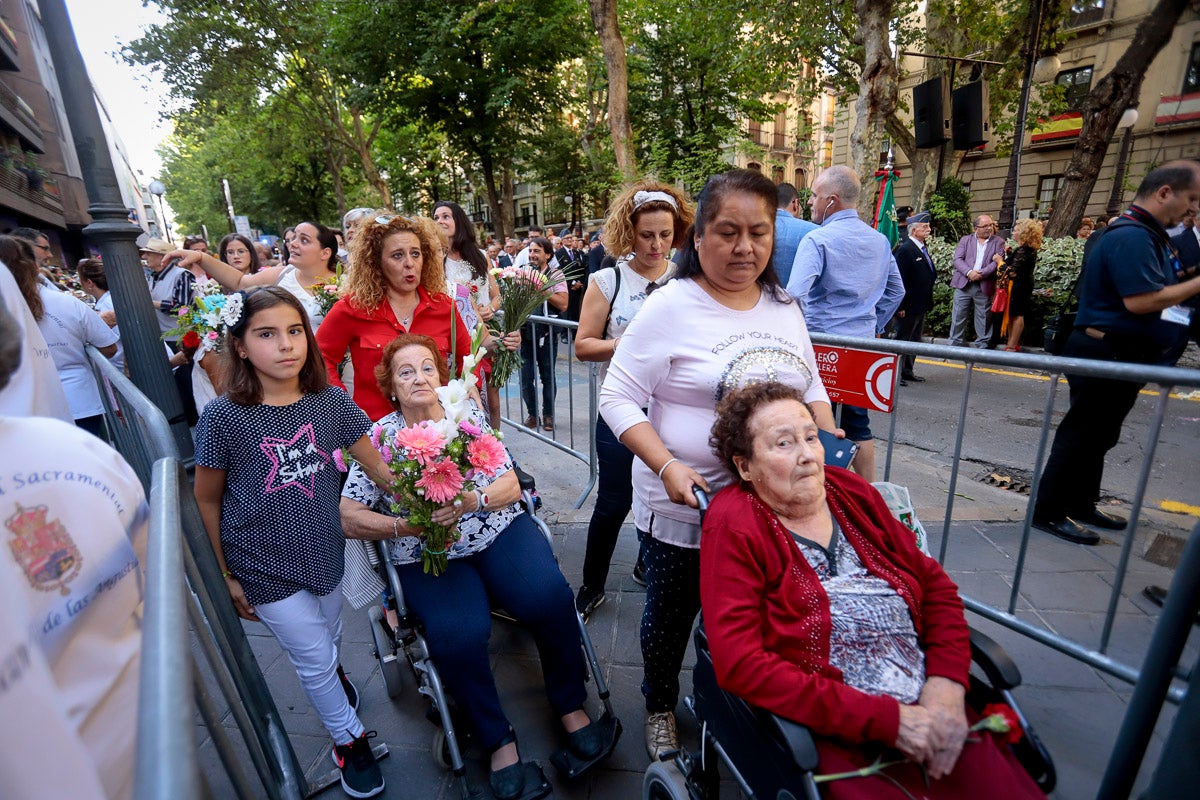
268,492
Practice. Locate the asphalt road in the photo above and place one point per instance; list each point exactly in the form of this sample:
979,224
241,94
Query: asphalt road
1004,418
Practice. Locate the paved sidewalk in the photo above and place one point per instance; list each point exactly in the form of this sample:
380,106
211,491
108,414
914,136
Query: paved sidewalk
1076,709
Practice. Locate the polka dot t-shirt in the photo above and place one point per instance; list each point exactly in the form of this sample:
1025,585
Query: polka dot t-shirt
280,527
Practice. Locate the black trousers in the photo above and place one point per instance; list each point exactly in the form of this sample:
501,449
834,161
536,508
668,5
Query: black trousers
909,328
1070,483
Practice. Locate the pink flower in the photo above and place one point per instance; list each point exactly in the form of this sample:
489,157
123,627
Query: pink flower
441,481
385,453
421,443
184,311
470,429
486,454
213,336
339,461
376,435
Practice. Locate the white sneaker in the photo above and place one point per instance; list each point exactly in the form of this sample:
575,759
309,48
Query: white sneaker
661,736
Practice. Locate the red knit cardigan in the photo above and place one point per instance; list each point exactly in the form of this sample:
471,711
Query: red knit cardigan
767,615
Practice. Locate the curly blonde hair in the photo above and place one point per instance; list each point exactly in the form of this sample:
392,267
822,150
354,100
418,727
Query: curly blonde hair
620,226
366,285
1028,232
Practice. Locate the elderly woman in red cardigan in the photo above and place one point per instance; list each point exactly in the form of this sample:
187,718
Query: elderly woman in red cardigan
820,608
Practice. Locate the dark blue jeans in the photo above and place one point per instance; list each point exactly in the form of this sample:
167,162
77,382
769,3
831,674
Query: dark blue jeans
613,501
516,572
672,603
541,348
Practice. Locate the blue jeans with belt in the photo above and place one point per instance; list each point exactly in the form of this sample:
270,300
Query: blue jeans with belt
518,573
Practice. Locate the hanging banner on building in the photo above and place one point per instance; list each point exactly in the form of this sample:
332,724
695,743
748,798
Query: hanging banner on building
862,378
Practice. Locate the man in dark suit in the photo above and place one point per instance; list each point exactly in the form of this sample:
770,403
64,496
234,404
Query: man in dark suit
1188,244
505,259
918,273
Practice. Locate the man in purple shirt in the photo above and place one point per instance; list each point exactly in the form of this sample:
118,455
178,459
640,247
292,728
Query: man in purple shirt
974,281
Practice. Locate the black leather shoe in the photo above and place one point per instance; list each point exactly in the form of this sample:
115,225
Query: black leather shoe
508,783
587,742
1069,529
1101,519
903,382
1158,596
913,378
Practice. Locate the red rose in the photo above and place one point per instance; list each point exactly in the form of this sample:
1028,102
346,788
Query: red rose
190,340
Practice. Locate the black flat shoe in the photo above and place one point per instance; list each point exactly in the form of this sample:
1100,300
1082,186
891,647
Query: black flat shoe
1101,519
508,783
913,378
1158,596
1069,529
587,742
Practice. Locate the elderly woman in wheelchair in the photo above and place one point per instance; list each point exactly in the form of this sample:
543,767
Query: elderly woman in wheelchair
819,608
502,558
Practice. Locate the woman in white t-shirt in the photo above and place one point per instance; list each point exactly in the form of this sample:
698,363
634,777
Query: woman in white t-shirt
68,326
645,222
723,321
468,281
93,281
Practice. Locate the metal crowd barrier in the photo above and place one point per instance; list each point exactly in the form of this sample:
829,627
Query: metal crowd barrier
140,432
553,328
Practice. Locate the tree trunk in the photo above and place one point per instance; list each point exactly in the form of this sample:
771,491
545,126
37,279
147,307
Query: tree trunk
877,93
604,19
362,148
333,160
493,198
922,162
506,195
1102,110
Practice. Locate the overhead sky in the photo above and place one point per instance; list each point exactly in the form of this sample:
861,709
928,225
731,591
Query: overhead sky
134,97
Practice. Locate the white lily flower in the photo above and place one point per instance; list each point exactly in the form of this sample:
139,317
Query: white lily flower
446,426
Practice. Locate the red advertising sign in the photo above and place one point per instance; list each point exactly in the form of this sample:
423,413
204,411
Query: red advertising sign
862,378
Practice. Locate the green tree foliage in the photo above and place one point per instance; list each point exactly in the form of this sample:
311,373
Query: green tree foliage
950,207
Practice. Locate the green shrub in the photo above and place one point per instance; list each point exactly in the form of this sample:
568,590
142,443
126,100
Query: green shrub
1057,267
950,207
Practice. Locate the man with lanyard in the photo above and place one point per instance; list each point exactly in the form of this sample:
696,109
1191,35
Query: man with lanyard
1130,309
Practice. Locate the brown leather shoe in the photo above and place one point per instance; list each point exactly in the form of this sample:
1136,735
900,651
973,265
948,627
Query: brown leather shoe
531,421
547,423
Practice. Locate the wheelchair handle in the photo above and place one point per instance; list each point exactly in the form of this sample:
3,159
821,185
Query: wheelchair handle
701,500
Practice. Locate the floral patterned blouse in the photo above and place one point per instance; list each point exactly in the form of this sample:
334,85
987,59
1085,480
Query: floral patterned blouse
478,530
872,639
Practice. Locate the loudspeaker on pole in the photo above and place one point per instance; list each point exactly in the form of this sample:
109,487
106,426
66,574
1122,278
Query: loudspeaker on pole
972,124
931,112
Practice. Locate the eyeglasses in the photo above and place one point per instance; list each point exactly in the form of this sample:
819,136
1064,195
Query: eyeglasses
986,225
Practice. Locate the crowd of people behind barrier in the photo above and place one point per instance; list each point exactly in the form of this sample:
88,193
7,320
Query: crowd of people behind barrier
683,306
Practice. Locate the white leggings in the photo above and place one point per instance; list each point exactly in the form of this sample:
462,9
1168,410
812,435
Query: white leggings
310,630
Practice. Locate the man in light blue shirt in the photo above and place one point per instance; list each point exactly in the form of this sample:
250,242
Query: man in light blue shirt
847,283
789,230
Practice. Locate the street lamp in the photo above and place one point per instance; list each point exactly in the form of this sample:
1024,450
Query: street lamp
158,189
1128,119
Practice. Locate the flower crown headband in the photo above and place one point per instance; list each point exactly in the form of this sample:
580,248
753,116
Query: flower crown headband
642,197
231,313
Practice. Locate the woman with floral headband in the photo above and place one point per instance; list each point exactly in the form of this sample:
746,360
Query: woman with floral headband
646,221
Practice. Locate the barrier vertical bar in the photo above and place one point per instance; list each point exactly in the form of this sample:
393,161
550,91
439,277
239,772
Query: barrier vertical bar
1170,636
1160,413
1039,462
165,764
887,464
962,423
220,739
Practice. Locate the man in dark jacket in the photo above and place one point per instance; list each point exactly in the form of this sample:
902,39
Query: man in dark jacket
918,273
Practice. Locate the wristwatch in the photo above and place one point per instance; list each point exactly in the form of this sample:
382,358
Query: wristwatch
482,498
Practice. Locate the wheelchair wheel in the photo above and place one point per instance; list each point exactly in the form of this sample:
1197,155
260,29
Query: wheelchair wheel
441,749
664,781
385,652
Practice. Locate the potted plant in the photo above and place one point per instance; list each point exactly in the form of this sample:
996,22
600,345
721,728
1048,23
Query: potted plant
34,174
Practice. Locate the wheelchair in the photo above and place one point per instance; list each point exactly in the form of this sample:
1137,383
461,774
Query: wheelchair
773,758
405,642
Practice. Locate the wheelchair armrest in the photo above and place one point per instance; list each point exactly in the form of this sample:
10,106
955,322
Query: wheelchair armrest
798,739
524,479
1001,671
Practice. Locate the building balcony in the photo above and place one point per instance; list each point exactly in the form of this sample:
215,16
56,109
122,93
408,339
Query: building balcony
41,204
8,47
1178,111
18,117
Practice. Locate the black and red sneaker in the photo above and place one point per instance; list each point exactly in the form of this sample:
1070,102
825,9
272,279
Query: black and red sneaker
349,688
360,772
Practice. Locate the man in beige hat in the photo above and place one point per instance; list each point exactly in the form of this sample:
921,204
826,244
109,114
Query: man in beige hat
170,285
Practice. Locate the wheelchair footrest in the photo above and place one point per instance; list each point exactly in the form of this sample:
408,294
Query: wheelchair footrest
572,766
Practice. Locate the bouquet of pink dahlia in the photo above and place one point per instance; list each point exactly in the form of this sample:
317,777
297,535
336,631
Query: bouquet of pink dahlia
435,463
522,292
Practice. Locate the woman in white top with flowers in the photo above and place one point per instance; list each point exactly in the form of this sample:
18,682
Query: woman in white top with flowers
313,262
645,222
479,298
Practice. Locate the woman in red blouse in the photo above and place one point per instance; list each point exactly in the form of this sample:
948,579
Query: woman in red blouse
819,607
397,285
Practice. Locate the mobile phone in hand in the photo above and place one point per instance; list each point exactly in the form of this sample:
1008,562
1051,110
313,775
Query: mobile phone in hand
838,452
